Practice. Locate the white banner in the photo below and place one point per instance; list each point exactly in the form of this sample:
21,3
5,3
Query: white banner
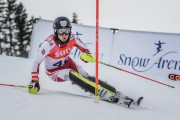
152,54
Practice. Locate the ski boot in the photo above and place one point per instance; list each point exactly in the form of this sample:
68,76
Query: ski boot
105,95
137,102
125,100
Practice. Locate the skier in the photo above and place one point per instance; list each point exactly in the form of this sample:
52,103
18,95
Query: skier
60,67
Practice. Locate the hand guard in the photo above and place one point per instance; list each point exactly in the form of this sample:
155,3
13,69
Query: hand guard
34,87
87,57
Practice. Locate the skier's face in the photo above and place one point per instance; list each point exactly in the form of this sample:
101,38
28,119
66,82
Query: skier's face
63,34
63,37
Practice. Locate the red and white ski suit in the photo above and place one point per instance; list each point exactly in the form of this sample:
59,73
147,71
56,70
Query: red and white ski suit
56,57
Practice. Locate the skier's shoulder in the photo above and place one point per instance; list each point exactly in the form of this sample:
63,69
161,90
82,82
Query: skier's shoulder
48,43
50,40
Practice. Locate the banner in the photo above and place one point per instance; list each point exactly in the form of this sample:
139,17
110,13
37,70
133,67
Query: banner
152,54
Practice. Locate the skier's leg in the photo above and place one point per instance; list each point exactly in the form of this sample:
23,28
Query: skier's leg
89,86
82,82
122,99
119,96
61,73
110,91
106,91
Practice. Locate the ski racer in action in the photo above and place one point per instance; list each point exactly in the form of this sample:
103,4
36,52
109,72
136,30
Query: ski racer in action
55,51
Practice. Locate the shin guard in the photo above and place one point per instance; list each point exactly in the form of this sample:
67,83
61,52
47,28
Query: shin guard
88,84
104,85
83,82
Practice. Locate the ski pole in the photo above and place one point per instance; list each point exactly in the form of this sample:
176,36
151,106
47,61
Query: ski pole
136,74
89,58
25,86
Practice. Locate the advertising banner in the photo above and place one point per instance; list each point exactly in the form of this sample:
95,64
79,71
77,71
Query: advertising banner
154,54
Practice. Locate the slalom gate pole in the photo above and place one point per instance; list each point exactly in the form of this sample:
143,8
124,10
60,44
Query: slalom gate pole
14,85
136,74
97,49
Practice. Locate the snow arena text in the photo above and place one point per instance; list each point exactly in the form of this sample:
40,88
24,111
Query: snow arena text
144,64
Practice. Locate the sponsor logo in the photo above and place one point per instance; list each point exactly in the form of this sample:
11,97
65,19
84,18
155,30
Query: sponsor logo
63,52
159,47
160,60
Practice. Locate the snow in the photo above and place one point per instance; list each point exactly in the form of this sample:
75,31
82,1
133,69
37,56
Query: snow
64,101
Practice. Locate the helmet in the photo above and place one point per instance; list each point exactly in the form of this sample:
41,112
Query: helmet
61,23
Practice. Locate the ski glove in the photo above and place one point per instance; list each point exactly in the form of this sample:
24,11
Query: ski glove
87,57
34,87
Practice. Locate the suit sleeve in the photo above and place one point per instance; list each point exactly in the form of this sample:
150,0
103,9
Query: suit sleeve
81,46
41,55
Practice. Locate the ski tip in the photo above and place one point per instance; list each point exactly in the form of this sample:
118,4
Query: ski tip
140,100
141,97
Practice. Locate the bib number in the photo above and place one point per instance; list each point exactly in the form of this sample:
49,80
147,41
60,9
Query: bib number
61,62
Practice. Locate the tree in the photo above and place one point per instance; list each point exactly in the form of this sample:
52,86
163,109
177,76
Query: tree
75,18
2,36
23,29
15,29
10,9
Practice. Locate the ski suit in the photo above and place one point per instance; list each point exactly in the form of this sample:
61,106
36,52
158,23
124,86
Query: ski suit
56,57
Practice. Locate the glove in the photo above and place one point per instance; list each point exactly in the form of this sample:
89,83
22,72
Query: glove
33,87
87,57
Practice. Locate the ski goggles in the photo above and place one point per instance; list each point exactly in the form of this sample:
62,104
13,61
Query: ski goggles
63,31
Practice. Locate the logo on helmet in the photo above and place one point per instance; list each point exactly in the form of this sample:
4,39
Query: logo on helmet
63,23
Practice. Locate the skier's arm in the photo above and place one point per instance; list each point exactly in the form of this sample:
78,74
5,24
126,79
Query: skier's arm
86,56
81,46
41,55
43,51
